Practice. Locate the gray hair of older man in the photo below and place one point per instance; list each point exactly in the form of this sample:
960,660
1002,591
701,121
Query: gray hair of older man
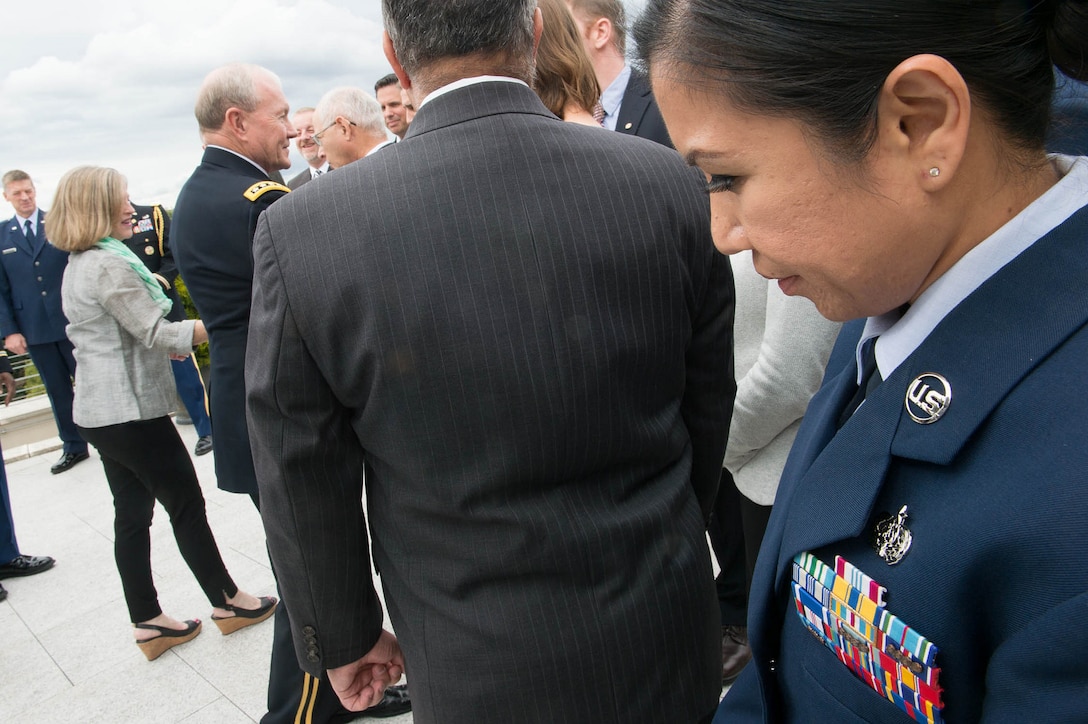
230,86
426,31
354,104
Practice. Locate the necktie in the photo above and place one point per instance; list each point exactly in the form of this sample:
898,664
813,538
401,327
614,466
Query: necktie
31,237
317,172
598,113
870,378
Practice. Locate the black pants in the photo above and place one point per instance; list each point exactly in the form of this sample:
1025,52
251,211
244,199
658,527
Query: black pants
146,461
736,531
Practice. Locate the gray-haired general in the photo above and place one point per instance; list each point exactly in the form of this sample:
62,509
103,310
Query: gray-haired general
244,121
520,333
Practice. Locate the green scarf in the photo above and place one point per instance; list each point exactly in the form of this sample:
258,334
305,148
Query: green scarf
154,288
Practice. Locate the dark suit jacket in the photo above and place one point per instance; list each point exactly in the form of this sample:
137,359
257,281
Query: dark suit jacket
522,328
996,575
300,179
639,115
213,229
30,285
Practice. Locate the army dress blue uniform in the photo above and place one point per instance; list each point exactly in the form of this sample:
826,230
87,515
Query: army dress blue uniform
150,241
213,225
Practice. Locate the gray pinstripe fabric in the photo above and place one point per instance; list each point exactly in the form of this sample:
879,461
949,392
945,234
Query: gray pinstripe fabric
522,328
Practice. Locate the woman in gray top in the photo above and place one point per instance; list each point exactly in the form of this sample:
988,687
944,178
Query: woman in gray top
124,394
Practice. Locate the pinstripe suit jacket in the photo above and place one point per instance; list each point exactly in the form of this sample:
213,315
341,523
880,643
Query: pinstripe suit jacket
520,328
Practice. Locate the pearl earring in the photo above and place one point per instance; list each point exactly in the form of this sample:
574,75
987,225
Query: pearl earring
934,172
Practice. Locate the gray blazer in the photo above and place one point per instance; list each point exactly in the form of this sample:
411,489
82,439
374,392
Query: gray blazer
521,328
122,342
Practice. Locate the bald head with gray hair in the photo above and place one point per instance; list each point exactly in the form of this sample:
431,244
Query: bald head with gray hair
230,86
351,125
354,104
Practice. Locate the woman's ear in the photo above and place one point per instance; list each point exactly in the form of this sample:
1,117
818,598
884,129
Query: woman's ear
924,116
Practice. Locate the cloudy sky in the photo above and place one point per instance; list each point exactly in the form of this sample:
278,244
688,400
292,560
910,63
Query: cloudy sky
113,82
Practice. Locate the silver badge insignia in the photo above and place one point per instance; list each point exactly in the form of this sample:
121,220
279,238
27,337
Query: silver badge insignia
928,398
891,538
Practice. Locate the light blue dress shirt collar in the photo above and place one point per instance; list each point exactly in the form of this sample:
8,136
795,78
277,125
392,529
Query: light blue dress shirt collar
900,336
612,97
33,219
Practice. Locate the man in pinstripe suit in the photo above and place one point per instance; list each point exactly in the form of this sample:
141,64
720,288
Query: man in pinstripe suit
520,330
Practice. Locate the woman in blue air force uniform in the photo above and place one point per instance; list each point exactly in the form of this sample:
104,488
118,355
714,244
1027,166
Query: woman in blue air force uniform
927,556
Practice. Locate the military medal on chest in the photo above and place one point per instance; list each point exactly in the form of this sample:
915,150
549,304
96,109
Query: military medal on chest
891,537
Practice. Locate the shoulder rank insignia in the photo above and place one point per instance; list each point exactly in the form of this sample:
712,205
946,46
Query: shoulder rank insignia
261,188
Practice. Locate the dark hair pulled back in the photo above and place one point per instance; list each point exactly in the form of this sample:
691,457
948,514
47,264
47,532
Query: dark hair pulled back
824,62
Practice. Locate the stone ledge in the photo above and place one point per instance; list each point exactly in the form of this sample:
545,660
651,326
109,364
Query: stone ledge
27,428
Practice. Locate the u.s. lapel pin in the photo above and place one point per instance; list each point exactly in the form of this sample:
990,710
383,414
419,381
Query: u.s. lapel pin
928,398
628,126
891,538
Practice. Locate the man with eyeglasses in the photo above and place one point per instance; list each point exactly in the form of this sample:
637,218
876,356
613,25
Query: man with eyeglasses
351,125
311,152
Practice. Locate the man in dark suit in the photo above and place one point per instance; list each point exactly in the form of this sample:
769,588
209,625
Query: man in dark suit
15,563
150,241
31,318
520,330
247,138
311,152
626,97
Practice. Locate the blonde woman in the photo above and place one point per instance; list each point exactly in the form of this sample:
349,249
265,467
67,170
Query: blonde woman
124,393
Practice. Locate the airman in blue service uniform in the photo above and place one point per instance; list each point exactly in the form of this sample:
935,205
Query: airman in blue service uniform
214,220
151,242
31,318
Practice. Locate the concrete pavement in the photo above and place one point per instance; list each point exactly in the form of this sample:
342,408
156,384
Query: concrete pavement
66,648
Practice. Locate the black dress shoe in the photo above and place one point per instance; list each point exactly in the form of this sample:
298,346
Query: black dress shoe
735,652
68,461
203,445
394,702
3,593
26,566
